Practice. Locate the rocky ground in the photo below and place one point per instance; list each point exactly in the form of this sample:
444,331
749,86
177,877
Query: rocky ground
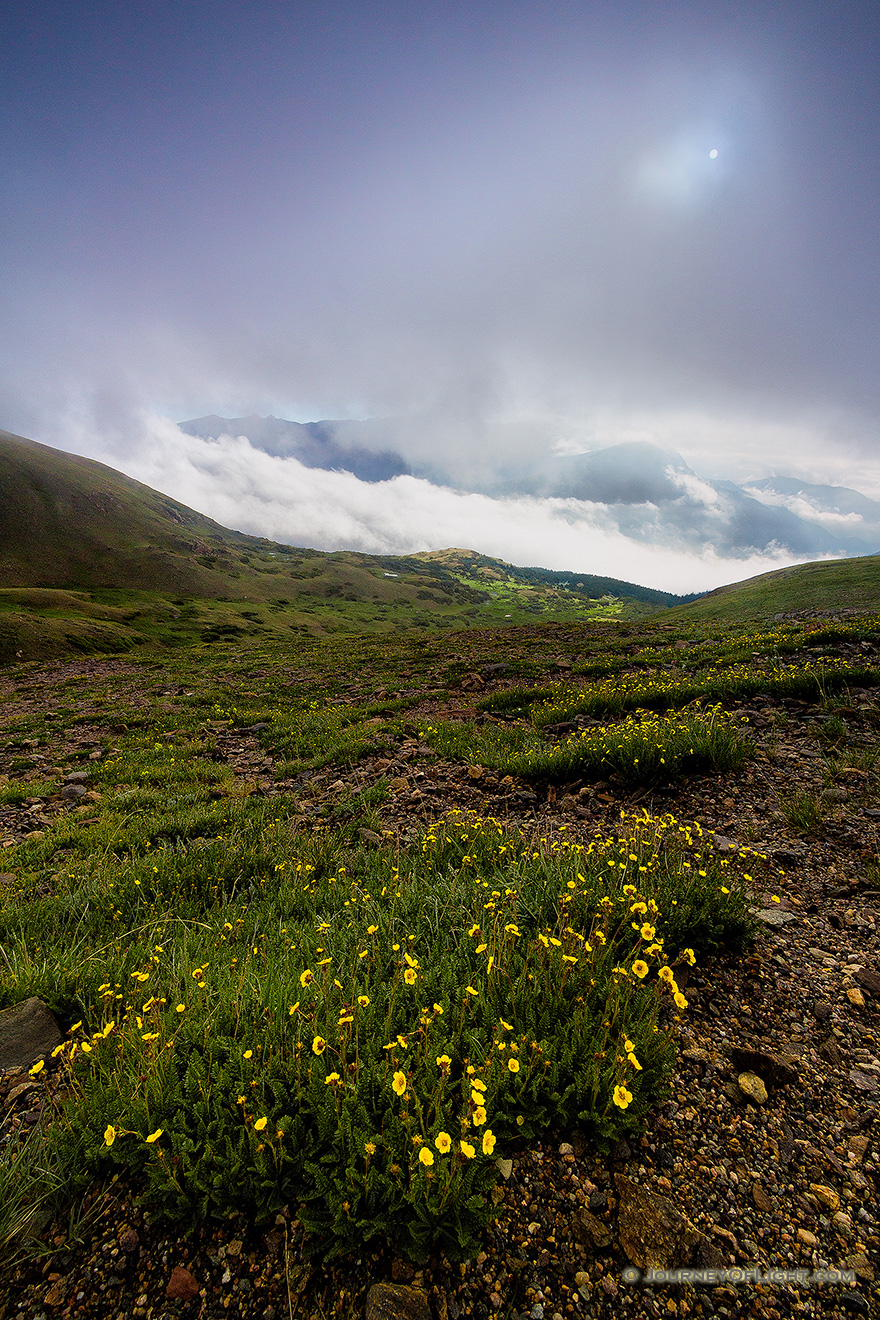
762,1166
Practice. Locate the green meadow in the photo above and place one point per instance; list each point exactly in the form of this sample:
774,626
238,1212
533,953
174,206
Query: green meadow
265,1009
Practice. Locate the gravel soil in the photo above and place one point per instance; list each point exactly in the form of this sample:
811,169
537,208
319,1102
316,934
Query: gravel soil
763,1159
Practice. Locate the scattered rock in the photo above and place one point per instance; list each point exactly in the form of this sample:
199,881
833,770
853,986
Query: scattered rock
859,1262
28,1032
777,1069
857,1146
867,977
826,1195
752,1087
829,1050
863,1080
129,1240
761,1199
723,845
788,855
855,996
707,1256
590,1231
181,1286
653,1233
391,1301
807,1238
775,916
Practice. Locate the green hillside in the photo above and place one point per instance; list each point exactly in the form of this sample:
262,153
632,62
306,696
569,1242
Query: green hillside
851,584
91,560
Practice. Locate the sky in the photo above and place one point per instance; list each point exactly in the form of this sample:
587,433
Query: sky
512,225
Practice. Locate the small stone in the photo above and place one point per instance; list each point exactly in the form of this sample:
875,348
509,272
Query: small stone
393,1301
857,1146
590,1231
761,1199
863,1080
826,1195
829,1050
505,1168
775,916
653,1232
854,1302
21,1089
869,980
862,1266
129,1240
234,1247
752,1088
807,1238
775,1069
28,1032
181,1286
855,996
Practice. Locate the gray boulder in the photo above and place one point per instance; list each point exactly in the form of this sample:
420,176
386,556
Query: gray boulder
28,1032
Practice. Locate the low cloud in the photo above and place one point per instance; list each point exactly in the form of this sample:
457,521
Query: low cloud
241,487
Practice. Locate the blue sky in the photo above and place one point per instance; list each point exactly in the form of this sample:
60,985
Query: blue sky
484,212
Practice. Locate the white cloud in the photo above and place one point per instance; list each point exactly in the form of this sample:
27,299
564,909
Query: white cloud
279,498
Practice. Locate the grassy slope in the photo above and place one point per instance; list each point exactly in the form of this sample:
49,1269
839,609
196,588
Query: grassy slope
91,560
847,583
69,521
